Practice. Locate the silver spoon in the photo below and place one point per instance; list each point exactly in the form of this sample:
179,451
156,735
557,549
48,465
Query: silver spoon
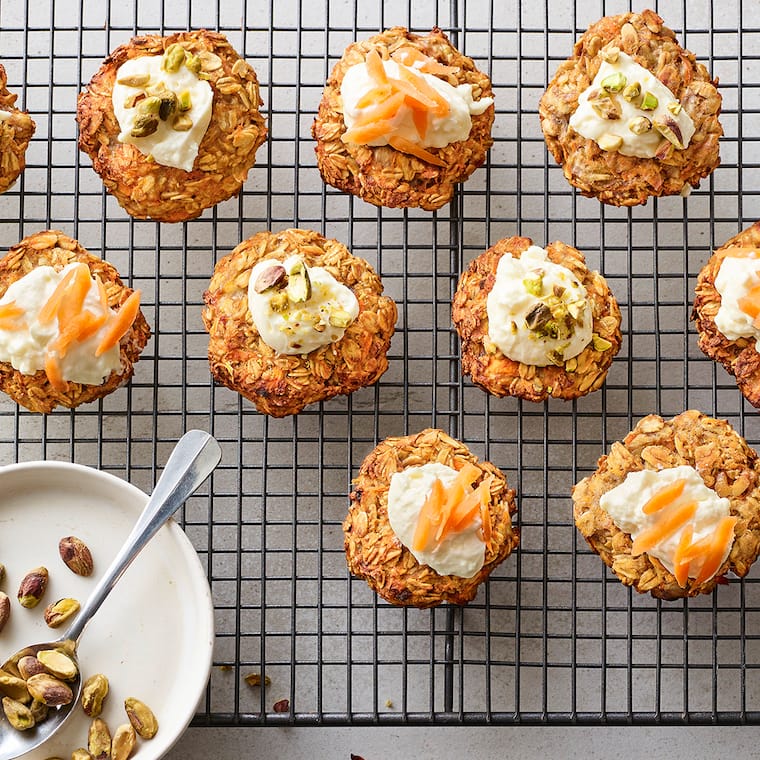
193,459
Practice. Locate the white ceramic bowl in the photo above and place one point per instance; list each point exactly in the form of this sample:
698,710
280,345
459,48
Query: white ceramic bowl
153,637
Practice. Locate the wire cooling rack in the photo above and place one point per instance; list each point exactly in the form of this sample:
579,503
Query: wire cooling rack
553,637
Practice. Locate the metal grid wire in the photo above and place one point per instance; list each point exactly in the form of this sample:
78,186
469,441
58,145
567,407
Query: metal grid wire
553,637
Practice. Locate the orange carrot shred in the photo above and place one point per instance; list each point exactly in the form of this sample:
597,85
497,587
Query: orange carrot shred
420,119
374,96
410,89
750,303
103,295
73,300
383,111
665,496
407,146
697,549
375,67
53,372
722,538
430,508
10,310
669,520
120,324
364,134
440,104
680,565
50,307
10,323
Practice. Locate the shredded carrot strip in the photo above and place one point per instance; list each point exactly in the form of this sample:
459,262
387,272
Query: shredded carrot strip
120,323
664,497
668,522
425,521
408,56
441,105
50,307
697,549
375,95
10,323
53,372
382,111
367,133
411,91
10,310
464,513
406,146
680,565
375,67
724,534
454,495
90,324
750,303
73,300
419,117
102,294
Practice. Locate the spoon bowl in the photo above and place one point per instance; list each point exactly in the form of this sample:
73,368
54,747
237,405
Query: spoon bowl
190,463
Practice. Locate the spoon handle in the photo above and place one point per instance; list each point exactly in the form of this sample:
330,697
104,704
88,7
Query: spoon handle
193,459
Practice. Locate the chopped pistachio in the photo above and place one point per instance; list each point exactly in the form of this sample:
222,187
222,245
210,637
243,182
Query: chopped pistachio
614,82
599,343
182,123
279,302
632,91
145,124
168,105
174,57
534,283
134,99
669,128
555,357
610,142
184,103
649,102
606,106
558,291
193,62
538,316
674,107
136,80
150,105
639,125
299,283
340,318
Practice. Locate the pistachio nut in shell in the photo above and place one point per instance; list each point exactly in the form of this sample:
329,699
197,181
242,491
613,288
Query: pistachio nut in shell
29,666
5,609
39,710
18,714
50,690
81,754
94,691
14,687
76,555
57,613
141,717
99,740
123,742
58,664
32,587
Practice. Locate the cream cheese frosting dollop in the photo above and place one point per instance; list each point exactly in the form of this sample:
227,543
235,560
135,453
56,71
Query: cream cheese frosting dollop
735,278
177,138
301,326
441,130
461,553
25,348
616,118
538,311
624,505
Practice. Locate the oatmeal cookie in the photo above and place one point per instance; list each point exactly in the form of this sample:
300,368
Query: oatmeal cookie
16,130
740,357
280,384
35,391
148,189
628,180
376,554
725,463
499,375
383,175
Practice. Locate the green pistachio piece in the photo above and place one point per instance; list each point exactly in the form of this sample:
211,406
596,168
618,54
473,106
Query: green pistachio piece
534,283
174,57
649,102
614,82
183,101
599,343
632,91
